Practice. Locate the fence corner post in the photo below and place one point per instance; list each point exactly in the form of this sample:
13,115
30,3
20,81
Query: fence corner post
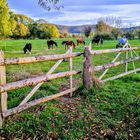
87,69
3,96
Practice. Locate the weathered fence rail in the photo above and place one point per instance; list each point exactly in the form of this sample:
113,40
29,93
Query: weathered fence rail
34,59
36,102
115,64
98,52
34,81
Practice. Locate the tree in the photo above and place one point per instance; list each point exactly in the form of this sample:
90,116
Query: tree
112,21
54,31
49,4
20,18
33,29
102,27
43,31
130,32
4,19
87,31
116,32
109,25
12,22
21,31
92,34
19,25
46,31
138,33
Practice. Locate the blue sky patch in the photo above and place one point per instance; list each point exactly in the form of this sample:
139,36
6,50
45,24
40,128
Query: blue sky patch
80,12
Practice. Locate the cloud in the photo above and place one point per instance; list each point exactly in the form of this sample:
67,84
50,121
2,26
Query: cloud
81,11
128,13
98,2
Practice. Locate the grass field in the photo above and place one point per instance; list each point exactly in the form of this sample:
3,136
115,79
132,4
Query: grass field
112,112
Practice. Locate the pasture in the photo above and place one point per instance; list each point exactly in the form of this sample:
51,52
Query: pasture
112,111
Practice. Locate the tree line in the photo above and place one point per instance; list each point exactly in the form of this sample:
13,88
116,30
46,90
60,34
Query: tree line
17,26
112,28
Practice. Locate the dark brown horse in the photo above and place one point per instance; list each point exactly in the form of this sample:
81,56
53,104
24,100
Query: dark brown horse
50,44
80,41
28,47
97,41
69,43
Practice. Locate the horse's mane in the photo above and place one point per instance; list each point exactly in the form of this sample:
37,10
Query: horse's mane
64,42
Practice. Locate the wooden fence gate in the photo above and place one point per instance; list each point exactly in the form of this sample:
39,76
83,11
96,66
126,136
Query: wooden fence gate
36,82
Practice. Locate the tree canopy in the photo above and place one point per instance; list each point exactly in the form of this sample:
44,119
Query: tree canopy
4,19
21,26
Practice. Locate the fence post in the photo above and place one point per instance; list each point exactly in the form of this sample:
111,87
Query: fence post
3,96
70,67
87,69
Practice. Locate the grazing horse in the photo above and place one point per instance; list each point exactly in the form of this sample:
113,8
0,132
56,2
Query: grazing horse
28,47
50,44
80,41
97,41
69,43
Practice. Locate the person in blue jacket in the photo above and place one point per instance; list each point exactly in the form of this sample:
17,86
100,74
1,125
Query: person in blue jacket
122,42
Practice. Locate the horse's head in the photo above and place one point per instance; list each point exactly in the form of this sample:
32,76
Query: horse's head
64,42
73,44
48,38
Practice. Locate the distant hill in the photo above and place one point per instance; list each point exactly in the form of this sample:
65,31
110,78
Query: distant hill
80,28
74,29
132,28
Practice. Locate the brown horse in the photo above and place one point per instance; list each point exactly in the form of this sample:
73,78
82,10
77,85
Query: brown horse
80,41
50,44
69,43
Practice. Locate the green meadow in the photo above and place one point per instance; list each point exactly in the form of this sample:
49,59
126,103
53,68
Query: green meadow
111,112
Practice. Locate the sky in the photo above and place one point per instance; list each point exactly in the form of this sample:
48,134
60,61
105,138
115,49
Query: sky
79,12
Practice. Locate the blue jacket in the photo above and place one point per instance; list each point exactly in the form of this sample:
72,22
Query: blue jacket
122,40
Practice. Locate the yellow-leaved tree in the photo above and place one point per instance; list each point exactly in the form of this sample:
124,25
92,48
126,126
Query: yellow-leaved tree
21,31
4,19
54,32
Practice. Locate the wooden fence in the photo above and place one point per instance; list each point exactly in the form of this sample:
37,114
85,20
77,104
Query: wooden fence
89,70
89,78
36,82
